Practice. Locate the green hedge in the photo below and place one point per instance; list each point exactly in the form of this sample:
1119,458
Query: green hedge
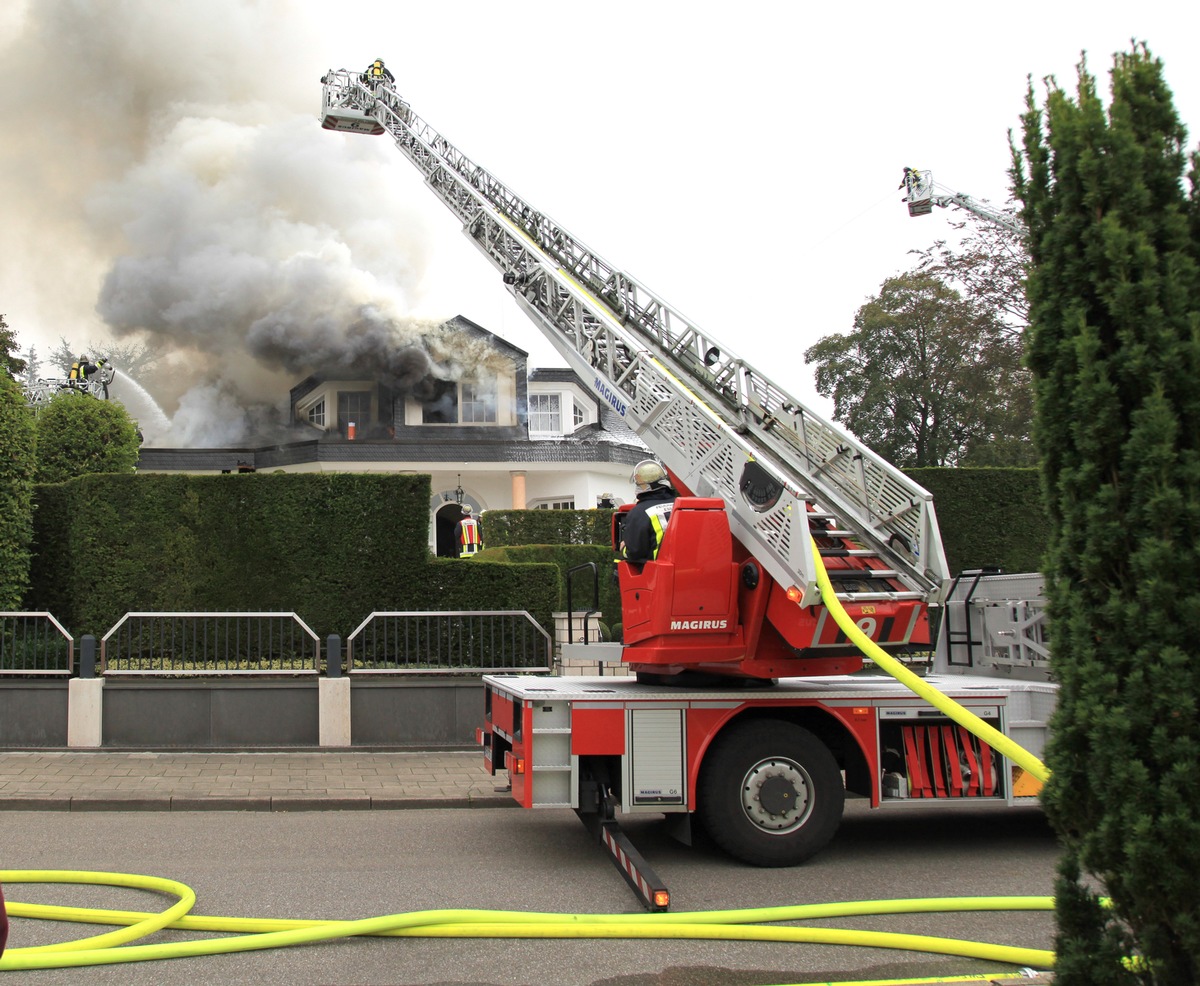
330,547
335,547
16,489
506,528
989,517
566,557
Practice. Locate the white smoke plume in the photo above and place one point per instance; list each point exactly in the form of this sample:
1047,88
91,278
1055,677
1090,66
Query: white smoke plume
191,195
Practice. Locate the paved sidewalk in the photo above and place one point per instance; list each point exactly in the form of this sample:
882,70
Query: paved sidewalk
294,781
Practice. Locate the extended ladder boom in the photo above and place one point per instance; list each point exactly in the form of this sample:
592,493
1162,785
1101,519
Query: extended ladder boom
922,193
723,428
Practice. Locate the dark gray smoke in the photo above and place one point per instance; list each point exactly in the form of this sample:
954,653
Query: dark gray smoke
174,174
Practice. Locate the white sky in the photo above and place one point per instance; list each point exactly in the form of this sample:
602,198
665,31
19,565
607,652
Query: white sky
741,161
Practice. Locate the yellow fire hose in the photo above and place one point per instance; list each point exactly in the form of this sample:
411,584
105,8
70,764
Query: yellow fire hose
754,924
944,703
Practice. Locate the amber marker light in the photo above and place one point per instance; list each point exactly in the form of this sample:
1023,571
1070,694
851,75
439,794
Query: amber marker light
794,594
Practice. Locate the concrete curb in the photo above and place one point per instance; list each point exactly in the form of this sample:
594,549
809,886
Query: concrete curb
290,802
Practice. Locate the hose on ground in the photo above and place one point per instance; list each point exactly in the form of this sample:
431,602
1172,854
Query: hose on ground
246,934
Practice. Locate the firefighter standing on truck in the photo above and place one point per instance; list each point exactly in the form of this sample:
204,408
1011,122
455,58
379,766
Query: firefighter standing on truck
642,533
466,534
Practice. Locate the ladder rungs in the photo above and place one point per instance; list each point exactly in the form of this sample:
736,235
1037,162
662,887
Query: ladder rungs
849,553
863,573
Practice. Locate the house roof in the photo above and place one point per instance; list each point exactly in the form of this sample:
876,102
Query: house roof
609,440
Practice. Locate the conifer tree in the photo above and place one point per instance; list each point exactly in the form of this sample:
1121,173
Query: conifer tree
1114,345
16,490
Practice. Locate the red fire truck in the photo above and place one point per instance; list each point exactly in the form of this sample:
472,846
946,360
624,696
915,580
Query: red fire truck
742,703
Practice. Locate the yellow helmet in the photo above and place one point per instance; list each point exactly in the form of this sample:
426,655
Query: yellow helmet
648,473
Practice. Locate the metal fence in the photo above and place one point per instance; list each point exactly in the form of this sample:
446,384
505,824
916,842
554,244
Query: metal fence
34,644
437,642
210,643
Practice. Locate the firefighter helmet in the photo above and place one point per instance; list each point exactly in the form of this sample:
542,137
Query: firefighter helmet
648,474
466,508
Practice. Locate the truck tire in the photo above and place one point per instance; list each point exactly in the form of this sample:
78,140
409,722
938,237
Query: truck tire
770,793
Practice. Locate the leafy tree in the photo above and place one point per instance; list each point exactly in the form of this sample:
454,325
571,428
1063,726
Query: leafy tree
990,264
1114,296
78,434
928,378
8,349
16,492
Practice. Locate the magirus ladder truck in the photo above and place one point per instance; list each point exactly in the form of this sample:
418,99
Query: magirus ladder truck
742,707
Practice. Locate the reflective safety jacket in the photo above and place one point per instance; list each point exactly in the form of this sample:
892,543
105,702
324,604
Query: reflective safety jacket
467,533
646,523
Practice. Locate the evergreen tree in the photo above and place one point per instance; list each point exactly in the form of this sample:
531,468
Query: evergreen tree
9,360
1114,346
78,434
32,362
16,492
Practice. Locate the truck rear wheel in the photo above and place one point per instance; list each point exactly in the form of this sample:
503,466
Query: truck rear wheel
770,793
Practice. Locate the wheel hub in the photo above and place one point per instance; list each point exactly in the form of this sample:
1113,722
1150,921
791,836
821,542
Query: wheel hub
777,795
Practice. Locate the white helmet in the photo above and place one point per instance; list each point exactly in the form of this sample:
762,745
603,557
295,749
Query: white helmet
648,474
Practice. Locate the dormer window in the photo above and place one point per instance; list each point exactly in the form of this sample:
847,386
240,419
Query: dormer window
545,414
312,412
479,401
316,414
468,402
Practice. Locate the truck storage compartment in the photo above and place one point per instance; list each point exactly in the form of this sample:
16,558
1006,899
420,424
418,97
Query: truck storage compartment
925,756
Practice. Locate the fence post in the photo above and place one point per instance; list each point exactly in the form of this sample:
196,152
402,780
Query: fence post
333,698
333,656
87,656
85,700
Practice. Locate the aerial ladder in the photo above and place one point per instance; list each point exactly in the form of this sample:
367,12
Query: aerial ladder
762,746
922,193
731,438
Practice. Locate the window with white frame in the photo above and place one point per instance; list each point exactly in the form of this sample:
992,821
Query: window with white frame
577,414
443,408
314,414
477,403
545,414
554,503
354,406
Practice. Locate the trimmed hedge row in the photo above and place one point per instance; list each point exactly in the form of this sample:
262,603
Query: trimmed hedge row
989,517
566,557
335,547
508,528
330,547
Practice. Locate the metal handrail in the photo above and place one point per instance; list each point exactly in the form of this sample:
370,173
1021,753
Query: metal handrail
26,631
448,642
206,643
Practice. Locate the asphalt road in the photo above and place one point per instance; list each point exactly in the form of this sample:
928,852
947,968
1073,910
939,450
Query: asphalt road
361,864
